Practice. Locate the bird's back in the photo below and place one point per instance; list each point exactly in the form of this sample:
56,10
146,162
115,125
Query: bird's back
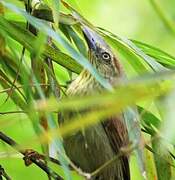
93,147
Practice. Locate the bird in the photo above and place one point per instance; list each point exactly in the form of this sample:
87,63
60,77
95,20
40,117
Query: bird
92,147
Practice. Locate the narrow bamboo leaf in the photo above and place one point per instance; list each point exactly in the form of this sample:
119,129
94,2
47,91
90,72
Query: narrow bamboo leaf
162,159
149,121
159,55
46,14
62,59
11,63
37,62
39,45
167,109
77,40
58,146
150,166
64,29
129,55
95,100
149,88
55,6
131,47
114,102
149,60
26,39
125,49
134,130
9,66
77,56
14,32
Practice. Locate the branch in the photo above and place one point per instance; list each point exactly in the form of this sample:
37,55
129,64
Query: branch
3,174
123,151
37,162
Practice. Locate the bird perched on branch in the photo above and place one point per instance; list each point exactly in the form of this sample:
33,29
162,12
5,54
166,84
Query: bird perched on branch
96,145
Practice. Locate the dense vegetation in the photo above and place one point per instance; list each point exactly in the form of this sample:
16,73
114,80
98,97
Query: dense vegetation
42,49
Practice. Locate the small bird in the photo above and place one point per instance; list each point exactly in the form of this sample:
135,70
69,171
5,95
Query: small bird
91,148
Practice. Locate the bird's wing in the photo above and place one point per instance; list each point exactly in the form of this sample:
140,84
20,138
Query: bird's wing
118,136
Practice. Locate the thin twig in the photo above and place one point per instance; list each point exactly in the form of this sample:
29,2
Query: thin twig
4,174
18,112
37,162
122,151
12,112
16,78
30,85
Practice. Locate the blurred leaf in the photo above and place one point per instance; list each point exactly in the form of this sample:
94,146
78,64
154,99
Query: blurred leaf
162,159
134,131
59,148
164,18
2,10
115,101
167,109
150,166
149,121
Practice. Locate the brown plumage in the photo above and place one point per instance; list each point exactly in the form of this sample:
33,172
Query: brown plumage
92,147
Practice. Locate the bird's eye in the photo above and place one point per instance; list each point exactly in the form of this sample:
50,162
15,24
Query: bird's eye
106,56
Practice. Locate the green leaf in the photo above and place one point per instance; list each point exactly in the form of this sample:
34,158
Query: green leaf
136,91
150,166
40,25
137,57
149,121
46,14
77,40
14,95
162,57
26,39
162,159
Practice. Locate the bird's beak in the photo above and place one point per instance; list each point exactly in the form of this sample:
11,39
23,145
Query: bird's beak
89,37
93,39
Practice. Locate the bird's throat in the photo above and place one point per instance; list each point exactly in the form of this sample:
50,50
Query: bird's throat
84,84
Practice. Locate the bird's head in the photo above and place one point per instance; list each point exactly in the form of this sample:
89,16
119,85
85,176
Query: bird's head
101,55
